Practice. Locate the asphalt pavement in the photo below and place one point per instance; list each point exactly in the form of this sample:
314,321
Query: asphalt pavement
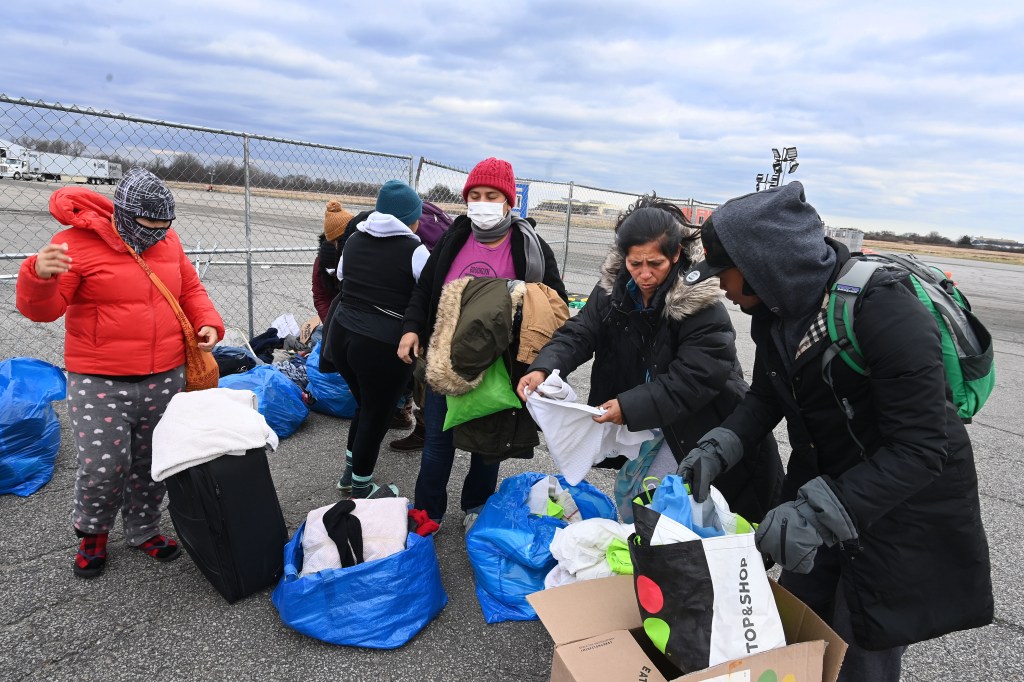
145,620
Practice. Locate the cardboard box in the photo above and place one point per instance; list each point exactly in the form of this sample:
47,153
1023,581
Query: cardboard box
598,636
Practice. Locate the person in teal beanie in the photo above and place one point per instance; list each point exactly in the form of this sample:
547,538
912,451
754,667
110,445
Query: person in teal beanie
378,269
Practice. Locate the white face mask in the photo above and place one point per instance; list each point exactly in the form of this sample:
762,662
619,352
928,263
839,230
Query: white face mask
485,214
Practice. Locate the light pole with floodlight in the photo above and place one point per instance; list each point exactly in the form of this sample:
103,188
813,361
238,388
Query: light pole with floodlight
782,163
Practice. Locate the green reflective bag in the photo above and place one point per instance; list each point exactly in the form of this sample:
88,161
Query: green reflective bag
494,394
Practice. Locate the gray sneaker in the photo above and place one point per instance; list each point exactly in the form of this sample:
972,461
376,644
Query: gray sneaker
469,519
374,492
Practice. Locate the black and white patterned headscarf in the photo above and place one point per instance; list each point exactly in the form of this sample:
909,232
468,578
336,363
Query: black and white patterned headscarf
140,194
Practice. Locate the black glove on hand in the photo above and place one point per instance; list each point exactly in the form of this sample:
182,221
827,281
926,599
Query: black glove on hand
792,532
717,451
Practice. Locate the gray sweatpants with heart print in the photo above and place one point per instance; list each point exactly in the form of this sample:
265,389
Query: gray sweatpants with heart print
112,423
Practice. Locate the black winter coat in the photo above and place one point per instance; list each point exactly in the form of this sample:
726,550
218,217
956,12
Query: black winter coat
686,341
922,567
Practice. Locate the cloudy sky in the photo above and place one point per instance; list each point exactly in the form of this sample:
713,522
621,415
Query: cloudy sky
907,115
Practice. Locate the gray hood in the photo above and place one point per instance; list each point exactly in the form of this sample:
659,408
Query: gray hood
777,240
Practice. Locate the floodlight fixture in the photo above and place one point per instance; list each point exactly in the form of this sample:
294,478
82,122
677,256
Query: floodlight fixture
783,162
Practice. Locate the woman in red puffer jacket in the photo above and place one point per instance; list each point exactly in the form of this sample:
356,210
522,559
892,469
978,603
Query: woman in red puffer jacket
124,349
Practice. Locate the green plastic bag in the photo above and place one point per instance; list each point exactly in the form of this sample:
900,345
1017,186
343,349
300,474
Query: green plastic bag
494,394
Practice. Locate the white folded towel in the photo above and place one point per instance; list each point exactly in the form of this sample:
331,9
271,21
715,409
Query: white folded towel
200,426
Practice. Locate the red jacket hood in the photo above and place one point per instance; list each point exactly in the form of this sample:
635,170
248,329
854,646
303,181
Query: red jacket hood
85,209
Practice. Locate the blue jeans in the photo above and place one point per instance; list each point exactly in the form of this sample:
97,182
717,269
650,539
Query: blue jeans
436,466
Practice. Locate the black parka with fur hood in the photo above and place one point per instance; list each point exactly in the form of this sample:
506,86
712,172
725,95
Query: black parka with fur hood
686,342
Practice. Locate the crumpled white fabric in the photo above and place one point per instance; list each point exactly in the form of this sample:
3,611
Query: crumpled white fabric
581,548
200,426
543,490
385,527
576,443
556,388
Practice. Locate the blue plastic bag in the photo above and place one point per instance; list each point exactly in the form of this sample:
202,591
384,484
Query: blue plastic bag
332,394
280,400
380,604
29,428
672,498
510,548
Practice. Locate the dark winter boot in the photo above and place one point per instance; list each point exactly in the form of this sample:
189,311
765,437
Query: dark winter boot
403,419
414,441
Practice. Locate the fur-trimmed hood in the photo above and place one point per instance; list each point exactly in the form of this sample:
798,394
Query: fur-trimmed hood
441,373
681,300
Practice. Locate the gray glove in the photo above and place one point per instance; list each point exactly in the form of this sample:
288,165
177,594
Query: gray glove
792,532
717,451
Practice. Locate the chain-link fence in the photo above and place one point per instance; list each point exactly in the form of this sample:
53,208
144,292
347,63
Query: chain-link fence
249,207
577,221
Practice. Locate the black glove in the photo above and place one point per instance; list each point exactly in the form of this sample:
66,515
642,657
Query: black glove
717,451
792,532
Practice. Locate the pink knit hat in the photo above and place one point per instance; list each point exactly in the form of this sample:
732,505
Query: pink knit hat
494,173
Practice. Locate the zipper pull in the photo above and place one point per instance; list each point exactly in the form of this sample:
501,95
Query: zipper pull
847,408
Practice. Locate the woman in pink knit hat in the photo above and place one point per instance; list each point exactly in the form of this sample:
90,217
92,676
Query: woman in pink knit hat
489,241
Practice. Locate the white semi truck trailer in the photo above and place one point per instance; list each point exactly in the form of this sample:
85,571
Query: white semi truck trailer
49,166
22,163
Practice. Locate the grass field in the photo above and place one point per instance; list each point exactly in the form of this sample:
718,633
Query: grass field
948,252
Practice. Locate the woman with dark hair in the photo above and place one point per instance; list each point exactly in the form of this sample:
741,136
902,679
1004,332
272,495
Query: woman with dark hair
664,353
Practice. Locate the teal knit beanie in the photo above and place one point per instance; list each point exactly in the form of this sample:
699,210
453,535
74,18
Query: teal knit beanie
400,200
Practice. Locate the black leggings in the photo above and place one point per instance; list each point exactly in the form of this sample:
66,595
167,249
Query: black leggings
377,378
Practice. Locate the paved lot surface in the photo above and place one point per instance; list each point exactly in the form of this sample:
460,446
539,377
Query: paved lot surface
144,620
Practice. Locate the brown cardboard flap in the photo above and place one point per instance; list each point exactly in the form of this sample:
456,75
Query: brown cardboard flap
610,656
588,608
801,624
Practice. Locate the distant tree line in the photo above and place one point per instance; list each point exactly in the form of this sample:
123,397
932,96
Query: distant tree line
964,242
189,168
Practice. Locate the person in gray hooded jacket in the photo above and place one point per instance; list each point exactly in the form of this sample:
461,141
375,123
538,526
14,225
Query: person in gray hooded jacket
882,533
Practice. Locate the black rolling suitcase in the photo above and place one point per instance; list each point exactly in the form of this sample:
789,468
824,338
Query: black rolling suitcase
229,520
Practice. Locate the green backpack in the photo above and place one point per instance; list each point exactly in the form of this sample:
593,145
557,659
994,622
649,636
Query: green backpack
966,344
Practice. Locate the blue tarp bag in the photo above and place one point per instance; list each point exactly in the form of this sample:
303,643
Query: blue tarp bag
29,428
332,394
510,548
280,400
379,604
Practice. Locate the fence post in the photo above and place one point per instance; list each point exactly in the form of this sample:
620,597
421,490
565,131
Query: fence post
419,172
568,220
411,180
248,234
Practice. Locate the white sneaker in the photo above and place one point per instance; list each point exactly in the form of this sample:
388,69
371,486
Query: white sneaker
469,520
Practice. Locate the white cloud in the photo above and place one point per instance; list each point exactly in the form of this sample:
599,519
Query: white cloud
904,113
